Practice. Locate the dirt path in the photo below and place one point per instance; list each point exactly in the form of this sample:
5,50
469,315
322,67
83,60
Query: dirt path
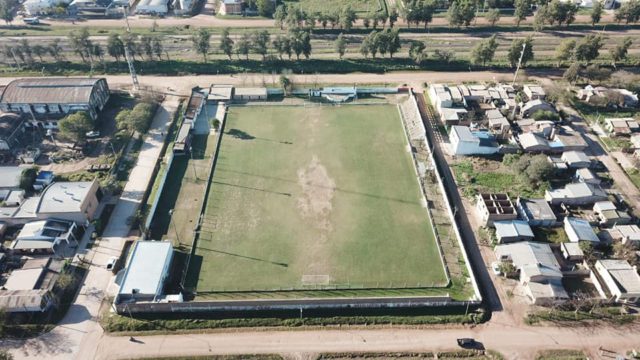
515,343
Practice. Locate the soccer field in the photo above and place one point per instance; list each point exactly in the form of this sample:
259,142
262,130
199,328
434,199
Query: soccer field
314,197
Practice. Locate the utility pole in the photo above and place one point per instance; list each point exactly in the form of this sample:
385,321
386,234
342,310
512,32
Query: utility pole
515,76
127,55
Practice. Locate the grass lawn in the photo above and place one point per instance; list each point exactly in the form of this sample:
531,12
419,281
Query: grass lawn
361,7
314,197
561,355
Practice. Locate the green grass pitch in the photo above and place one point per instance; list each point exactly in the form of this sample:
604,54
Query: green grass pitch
313,197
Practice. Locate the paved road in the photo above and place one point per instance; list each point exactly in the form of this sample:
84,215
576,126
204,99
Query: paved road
76,335
515,343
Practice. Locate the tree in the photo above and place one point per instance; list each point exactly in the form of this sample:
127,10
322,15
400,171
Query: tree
158,49
595,73
417,51
260,42
28,177
286,83
596,12
26,50
146,46
340,45
137,119
129,41
565,51
75,126
282,44
461,12
365,47
393,17
493,16
4,354
589,48
280,15
425,11
80,43
444,55
115,47
484,51
619,52
39,51
347,18
572,73
295,17
226,43
201,42
522,8
265,8
540,18
300,42
243,46
55,50
629,12
393,41
6,10
366,22
515,50
122,119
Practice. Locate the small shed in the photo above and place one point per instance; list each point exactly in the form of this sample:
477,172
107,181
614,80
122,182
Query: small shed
572,251
250,94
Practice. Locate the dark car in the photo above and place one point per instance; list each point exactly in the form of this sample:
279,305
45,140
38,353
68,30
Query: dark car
466,343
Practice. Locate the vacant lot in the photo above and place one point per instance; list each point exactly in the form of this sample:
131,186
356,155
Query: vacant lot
362,7
312,198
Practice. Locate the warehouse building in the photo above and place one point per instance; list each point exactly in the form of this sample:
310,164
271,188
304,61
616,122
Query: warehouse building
45,98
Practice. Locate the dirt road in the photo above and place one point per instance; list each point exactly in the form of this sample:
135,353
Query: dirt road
514,343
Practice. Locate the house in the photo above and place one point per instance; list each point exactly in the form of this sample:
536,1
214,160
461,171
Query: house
534,143
536,212
25,301
539,127
608,97
95,8
72,201
620,279
12,131
47,97
231,7
572,251
586,176
576,159
28,289
250,94
512,230
534,106
567,139
182,7
621,126
580,230
44,236
453,116
495,207
627,234
576,194
152,7
467,142
540,272
10,177
497,122
608,214
146,271
534,92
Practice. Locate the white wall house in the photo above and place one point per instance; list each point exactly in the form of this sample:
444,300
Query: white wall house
621,279
467,142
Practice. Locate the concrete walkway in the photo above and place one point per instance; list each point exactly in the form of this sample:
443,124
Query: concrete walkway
76,335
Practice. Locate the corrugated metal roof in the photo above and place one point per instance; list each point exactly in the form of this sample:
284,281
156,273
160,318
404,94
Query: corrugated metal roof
49,91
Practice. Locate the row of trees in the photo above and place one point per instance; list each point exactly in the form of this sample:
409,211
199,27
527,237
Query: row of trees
382,42
345,18
297,41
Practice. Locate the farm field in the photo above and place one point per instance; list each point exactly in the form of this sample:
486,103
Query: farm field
315,197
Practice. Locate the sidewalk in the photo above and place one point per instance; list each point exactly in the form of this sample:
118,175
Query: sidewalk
77,335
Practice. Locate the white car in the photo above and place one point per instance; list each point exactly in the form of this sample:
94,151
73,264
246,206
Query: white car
495,267
112,262
93,134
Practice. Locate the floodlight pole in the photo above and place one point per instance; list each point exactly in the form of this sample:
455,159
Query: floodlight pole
127,55
515,76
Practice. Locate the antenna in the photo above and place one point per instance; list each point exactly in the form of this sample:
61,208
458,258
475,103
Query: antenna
515,76
127,55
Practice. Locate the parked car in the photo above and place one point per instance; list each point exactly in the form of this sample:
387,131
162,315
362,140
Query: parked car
93,134
466,343
112,263
31,20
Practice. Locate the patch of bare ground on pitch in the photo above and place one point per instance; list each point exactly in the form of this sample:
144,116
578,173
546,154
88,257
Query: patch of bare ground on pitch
315,205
